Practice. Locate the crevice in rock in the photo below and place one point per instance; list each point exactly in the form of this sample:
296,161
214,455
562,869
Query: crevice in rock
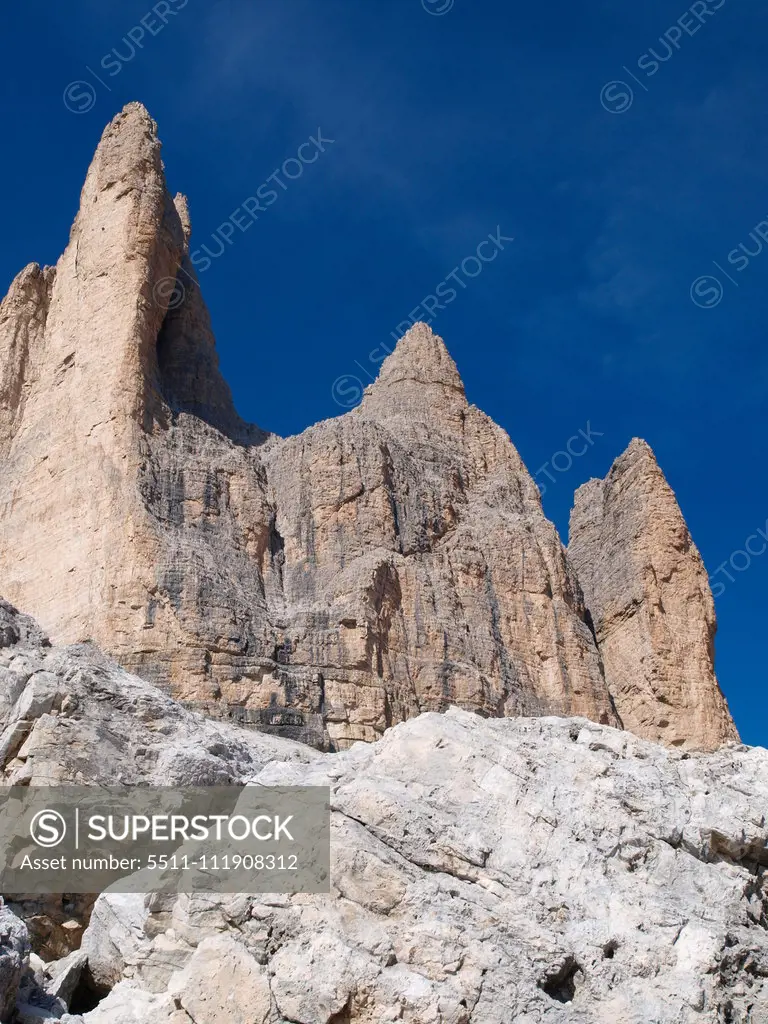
589,621
388,475
721,850
276,546
509,678
184,1010
88,993
344,1015
560,984
450,870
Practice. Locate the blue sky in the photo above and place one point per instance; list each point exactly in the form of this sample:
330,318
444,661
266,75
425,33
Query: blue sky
623,146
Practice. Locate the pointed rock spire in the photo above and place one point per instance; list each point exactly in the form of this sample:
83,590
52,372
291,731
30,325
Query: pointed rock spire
110,298
389,561
83,394
182,208
420,356
419,382
648,594
23,314
190,378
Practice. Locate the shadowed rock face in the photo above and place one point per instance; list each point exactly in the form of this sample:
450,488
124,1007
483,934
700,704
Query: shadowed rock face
22,328
649,598
326,586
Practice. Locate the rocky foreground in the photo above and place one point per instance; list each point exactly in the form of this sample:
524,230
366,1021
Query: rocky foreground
484,870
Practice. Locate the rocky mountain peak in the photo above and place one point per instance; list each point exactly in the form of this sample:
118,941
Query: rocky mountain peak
182,208
24,286
23,315
129,131
637,450
422,357
127,158
648,595
387,562
418,382
637,454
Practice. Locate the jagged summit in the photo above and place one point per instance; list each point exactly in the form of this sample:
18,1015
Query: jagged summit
181,202
419,383
22,322
133,110
638,444
384,563
420,356
648,594
20,286
129,124
637,452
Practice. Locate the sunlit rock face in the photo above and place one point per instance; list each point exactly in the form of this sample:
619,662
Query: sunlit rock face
327,586
649,598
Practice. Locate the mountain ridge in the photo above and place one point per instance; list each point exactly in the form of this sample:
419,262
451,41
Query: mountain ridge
390,561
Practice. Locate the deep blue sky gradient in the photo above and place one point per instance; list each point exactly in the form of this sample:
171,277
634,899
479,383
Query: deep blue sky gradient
445,128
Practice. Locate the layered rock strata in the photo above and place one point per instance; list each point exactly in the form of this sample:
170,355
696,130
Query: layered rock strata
649,599
392,561
416,549
326,586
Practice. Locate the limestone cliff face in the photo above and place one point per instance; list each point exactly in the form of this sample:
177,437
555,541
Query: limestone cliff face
80,397
23,313
648,594
132,509
391,561
419,570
